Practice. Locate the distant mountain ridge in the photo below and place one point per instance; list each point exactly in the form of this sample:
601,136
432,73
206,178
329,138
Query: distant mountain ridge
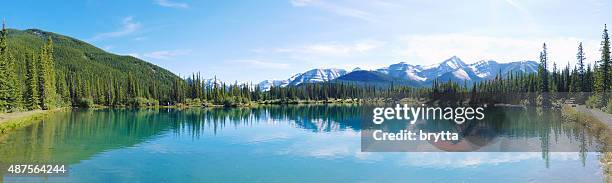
413,75
311,76
363,77
457,70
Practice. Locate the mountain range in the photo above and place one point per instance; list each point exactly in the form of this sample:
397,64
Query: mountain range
77,56
402,73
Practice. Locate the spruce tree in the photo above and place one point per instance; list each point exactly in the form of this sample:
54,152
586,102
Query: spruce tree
543,70
543,84
132,88
46,77
581,57
588,79
603,77
556,84
575,85
9,88
31,93
62,90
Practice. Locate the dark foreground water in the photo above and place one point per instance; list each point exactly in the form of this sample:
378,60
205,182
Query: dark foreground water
282,144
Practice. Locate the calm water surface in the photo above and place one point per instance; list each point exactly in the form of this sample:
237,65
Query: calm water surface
280,144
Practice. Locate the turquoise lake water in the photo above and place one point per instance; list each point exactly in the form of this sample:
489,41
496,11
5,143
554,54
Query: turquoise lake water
319,143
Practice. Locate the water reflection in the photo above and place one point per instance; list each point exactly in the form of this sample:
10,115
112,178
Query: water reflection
332,131
74,136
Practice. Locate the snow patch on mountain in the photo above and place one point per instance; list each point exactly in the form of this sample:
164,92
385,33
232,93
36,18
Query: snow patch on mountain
461,74
317,75
311,76
484,69
449,64
210,83
267,84
412,74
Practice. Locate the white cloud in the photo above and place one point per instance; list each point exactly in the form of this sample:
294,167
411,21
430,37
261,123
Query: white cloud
472,159
170,4
262,64
134,55
333,48
166,54
429,49
128,27
342,10
141,38
107,47
327,54
300,2
345,144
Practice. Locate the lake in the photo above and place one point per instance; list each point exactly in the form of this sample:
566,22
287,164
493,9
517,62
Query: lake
309,143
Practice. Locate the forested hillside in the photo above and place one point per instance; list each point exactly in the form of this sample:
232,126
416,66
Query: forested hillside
89,73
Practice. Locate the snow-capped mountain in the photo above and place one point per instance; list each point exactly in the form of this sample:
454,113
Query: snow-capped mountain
457,70
317,75
211,82
267,84
311,76
488,69
450,69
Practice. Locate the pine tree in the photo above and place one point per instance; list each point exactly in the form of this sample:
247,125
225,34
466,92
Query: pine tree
543,84
580,56
603,77
62,90
556,84
575,85
46,77
31,93
9,88
543,70
588,79
132,89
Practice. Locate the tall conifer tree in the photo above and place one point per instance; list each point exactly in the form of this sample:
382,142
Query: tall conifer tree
9,88
581,57
31,93
46,77
603,76
543,70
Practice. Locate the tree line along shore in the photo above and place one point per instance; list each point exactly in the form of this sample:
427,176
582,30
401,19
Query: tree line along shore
46,78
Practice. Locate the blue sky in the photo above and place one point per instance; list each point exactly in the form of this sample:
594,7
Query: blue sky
250,41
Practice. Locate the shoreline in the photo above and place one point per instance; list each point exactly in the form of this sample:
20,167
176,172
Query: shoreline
16,120
598,123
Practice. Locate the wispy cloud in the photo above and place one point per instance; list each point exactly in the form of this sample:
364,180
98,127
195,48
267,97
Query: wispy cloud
342,10
171,4
434,48
166,54
128,27
141,38
334,48
134,55
262,64
325,54
461,160
161,55
107,47
524,12
301,2
331,48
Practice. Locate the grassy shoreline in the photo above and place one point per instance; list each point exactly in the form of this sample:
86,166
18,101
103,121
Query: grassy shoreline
598,129
16,120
